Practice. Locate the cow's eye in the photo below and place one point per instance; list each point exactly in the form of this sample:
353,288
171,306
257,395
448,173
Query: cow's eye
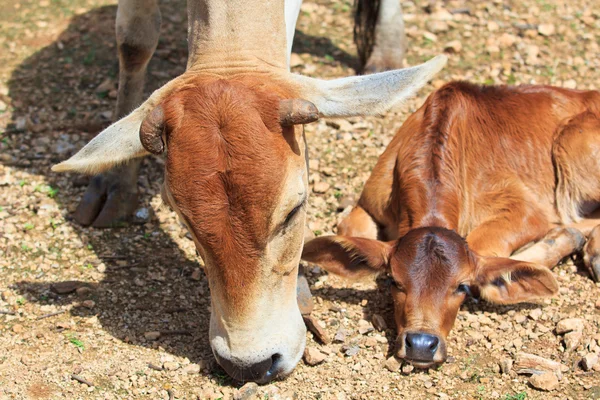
292,214
463,288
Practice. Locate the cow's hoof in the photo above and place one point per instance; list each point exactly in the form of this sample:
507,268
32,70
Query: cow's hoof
107,202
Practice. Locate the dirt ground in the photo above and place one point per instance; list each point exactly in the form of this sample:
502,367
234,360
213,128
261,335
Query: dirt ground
78,301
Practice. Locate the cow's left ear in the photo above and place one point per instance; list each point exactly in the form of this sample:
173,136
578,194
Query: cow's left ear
367,94
506,281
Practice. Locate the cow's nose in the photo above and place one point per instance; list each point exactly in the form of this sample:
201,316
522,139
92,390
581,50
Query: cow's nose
421,346
261,372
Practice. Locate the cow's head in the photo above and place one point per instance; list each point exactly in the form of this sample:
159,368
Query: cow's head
236,175
433,272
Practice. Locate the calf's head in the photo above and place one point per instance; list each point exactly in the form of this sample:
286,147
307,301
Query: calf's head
236,175
433,271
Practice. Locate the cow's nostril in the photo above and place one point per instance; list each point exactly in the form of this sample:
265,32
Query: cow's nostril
276,357
274,370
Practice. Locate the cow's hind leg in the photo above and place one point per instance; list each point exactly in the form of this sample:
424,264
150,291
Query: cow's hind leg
112,197
379,35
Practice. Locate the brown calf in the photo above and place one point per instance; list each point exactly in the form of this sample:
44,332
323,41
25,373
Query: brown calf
470,178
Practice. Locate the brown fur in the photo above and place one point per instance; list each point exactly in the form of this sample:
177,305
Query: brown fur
221,135
498,166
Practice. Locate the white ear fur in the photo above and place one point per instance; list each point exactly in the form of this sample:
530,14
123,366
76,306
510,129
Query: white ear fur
116,144
368,94
119,142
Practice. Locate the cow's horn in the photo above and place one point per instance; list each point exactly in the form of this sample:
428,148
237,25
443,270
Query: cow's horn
151,131
297,111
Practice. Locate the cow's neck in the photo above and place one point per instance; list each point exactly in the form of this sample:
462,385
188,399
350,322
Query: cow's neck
236,36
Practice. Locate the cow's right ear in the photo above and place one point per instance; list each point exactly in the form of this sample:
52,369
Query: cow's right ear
349,257
120,142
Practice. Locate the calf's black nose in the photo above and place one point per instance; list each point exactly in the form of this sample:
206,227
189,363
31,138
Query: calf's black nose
421,346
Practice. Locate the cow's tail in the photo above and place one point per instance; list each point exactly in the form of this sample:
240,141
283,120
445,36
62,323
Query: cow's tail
366,13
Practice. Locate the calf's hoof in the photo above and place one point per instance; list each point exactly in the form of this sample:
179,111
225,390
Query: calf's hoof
593,267
303,294
591,254
306,305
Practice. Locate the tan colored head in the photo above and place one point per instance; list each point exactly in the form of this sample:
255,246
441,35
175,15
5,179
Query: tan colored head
433,270
235,173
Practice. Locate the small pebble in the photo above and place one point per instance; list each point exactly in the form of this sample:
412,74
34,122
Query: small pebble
152,335
588,362
88,303
506,365
379,322
392,364
313,356
191,369
246,392
546,381
170,365
569,324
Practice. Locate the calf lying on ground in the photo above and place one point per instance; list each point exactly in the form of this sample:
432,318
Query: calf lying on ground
470,178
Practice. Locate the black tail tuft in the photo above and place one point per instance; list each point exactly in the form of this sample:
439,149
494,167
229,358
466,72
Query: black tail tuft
366,13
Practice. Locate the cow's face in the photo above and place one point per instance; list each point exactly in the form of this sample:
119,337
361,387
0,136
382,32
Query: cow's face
433,272
237,178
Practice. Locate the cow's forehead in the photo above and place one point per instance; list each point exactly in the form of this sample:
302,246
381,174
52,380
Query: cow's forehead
227,158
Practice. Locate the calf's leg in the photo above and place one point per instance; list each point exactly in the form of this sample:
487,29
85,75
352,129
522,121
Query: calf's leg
557,244
509,228
111,197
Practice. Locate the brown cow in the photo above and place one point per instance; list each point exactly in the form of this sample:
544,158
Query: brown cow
471,177
235,170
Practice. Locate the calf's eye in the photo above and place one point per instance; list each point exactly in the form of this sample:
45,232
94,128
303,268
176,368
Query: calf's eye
463,288
398,286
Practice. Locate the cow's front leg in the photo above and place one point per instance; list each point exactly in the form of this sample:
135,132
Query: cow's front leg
389,41
112,197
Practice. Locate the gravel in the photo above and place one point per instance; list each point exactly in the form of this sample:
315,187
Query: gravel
145,278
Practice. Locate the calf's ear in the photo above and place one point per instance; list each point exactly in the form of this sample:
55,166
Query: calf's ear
506,281
349,257
367,94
